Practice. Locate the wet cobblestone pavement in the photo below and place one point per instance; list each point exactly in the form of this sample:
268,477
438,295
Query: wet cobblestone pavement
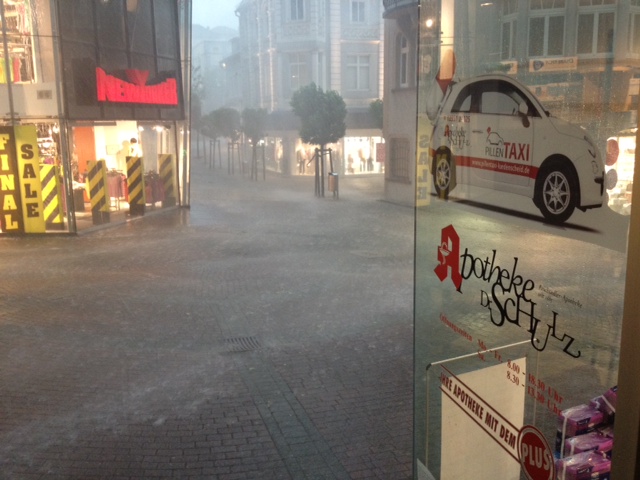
263,333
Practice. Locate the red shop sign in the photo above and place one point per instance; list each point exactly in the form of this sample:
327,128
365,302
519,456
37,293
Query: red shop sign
113,89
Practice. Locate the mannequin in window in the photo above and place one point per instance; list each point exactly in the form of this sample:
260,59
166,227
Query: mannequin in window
134,148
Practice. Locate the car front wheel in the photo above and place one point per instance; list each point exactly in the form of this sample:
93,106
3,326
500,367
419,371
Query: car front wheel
557,194
442,173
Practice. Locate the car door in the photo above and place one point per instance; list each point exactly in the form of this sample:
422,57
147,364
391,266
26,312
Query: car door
501,137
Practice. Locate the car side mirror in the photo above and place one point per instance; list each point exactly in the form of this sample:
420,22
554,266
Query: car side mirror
523,109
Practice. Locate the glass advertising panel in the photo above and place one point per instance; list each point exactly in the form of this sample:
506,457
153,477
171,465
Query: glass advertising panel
526,148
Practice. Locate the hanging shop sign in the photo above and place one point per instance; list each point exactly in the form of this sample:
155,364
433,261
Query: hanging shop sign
21,207
135,90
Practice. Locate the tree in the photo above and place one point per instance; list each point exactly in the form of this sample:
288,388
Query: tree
376,111
211,130
254,122
322,116
226,121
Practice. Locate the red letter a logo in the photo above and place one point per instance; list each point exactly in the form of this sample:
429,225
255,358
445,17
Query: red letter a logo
449,257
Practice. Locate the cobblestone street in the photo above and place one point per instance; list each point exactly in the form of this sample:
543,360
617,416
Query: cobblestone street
263,333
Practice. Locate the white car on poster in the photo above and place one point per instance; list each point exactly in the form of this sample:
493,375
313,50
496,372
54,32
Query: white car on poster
491,131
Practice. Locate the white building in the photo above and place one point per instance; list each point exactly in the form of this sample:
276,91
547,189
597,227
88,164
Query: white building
338,45
210,48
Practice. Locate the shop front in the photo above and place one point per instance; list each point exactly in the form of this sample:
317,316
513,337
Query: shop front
526,274
97,88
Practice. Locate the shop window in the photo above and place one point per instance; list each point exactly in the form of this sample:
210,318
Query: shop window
399,161
357,72
20,67
595,33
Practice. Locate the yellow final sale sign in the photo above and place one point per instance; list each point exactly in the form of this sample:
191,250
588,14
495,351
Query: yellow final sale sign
21,207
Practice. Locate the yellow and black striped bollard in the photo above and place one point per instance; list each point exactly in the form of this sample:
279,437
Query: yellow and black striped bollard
98,191
135,182
168,177
52,197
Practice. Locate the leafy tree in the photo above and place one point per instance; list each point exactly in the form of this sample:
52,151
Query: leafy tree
254,122
376,111
226,122
210,129
322,116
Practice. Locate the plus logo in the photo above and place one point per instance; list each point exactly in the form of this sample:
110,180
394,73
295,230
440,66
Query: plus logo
449,257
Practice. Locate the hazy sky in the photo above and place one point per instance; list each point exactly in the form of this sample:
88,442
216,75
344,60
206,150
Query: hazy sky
215,13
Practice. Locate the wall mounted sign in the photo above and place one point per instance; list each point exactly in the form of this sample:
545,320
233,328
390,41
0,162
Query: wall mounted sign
553,64
135,90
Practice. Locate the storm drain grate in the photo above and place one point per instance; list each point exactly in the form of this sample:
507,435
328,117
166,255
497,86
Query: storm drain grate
242,344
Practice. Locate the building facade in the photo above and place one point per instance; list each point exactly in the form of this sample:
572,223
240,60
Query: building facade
338,45
210,49
98,91
399,125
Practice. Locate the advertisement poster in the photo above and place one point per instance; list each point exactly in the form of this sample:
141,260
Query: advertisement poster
521,238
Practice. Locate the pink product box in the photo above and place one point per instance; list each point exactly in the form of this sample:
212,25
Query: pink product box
584,466
578,420
607,403
592,441
574,421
